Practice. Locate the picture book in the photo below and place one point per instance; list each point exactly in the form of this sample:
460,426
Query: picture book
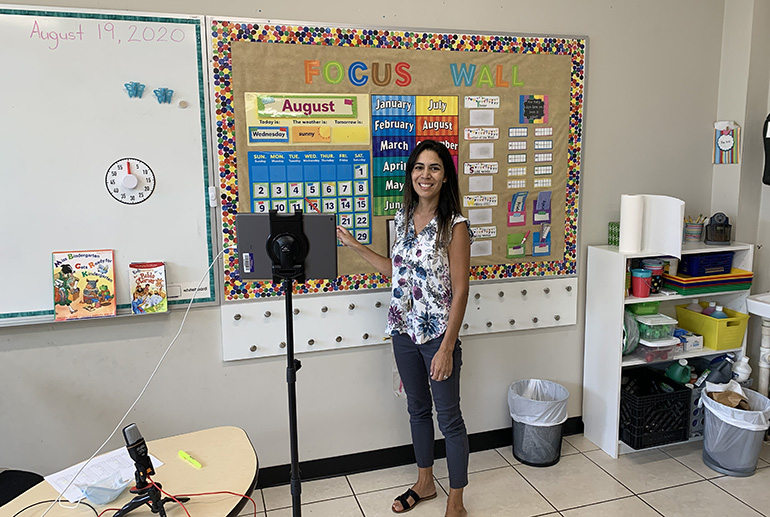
147,281
83,284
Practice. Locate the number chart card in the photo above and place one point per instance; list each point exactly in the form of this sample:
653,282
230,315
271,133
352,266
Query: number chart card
298,96
329,182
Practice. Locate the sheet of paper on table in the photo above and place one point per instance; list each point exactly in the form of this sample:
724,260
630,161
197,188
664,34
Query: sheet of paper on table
101,467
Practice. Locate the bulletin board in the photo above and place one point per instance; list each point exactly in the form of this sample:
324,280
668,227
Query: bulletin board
324,118
82,92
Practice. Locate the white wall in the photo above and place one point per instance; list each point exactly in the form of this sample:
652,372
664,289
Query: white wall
652,84
737,190
757,108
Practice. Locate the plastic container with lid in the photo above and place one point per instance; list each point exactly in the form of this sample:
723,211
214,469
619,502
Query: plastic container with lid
644,308
694,306
659,350
656,327
721,369
719,313
652,263
742,370
679,371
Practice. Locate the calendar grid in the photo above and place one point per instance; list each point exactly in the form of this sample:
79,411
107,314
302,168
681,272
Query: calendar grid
329,182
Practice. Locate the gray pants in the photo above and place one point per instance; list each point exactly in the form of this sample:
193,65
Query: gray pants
413,363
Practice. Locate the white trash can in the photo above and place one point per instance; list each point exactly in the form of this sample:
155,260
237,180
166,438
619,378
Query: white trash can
538,411
732,438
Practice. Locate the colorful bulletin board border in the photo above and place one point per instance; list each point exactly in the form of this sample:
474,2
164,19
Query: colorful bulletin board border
225,33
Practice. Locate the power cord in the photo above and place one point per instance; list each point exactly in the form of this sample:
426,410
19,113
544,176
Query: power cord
152,376
49,501
177,501
253,502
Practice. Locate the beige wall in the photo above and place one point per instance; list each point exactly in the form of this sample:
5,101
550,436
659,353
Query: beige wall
652,86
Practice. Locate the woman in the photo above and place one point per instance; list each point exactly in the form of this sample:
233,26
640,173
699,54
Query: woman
429,273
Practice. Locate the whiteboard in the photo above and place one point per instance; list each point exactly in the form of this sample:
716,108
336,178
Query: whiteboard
66,117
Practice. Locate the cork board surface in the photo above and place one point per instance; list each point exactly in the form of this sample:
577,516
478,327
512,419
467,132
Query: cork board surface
503,113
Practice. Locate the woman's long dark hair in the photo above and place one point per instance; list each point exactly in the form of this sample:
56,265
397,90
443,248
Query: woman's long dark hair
449,196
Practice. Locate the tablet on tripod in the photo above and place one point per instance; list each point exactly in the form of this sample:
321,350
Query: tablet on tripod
315,236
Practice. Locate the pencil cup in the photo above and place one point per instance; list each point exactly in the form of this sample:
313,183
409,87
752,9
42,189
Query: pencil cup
693,232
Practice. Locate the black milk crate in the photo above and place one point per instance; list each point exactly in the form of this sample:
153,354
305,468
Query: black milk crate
697,414
705,264
650,415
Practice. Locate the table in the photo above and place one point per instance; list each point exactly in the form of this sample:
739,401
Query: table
229,463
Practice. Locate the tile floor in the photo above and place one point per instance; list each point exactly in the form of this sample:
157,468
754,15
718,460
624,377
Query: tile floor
671,481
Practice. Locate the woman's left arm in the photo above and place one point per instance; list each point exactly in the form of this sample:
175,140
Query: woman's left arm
459,271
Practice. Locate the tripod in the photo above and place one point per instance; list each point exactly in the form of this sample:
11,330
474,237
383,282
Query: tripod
287,246
281,255
292,365
149,494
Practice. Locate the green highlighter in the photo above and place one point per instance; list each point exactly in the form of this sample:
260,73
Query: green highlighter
189,459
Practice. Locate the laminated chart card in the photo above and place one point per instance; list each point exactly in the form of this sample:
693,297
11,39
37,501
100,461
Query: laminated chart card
290,119
328,182
399,123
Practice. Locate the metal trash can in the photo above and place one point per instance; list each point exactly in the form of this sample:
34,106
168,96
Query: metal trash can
732,438
538,412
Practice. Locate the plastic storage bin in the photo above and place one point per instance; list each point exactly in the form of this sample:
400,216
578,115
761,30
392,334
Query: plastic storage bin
724,334
706,264
644,308
732,438
661,350
538,411
654,410
656,327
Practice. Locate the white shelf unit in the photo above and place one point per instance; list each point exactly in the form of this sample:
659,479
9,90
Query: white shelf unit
603,361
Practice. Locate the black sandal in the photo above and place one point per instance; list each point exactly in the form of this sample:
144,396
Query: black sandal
416,498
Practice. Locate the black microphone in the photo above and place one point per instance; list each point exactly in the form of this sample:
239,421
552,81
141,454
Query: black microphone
137,449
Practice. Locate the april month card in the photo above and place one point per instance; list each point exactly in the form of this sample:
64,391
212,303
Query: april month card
83,284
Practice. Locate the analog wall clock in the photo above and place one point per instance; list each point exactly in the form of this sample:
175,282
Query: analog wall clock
130,181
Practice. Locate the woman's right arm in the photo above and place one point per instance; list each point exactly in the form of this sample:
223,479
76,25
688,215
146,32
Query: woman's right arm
382,264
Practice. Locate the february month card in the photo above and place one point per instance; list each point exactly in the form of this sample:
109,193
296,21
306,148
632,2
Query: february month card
148,287
83,284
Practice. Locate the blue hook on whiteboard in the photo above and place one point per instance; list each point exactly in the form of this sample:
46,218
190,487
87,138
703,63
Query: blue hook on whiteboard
163,95
134,89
